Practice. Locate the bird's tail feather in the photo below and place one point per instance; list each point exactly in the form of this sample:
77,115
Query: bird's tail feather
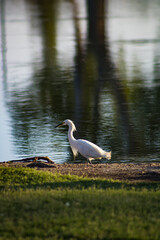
108,155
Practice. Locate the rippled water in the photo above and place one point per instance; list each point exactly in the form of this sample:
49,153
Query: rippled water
98,65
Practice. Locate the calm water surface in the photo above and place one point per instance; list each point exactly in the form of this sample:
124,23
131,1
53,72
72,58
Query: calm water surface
97,64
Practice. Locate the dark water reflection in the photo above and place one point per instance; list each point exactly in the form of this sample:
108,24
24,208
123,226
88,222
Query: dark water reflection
95,62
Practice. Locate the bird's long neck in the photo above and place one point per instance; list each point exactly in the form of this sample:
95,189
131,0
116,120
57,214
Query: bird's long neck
70,133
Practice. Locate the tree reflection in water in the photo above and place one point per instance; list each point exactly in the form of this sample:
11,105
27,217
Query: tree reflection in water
88,86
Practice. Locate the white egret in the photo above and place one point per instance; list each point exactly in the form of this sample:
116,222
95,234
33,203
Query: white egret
87,149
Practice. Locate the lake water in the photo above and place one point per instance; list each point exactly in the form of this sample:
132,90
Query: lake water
97,64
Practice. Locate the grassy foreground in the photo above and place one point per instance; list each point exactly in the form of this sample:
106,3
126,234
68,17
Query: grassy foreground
39,205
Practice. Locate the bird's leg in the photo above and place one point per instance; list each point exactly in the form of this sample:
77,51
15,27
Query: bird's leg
89,161
74,157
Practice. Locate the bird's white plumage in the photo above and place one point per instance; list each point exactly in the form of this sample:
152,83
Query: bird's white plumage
87,149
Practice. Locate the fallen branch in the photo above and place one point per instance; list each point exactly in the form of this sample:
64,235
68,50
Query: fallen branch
34,159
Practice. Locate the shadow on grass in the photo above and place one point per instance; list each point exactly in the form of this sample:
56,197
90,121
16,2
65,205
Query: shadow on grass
86,184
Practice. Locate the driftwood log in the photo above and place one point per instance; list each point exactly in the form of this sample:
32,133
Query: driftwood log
33,159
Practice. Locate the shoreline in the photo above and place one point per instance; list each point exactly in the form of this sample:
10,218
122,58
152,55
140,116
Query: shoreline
131,172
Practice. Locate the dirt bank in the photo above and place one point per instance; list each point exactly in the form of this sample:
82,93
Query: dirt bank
146,172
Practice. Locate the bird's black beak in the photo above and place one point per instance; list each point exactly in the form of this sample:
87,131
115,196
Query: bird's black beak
61,124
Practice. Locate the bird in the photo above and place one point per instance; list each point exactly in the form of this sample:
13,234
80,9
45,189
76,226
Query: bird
86,148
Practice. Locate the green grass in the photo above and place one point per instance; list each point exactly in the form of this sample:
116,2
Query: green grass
40,205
